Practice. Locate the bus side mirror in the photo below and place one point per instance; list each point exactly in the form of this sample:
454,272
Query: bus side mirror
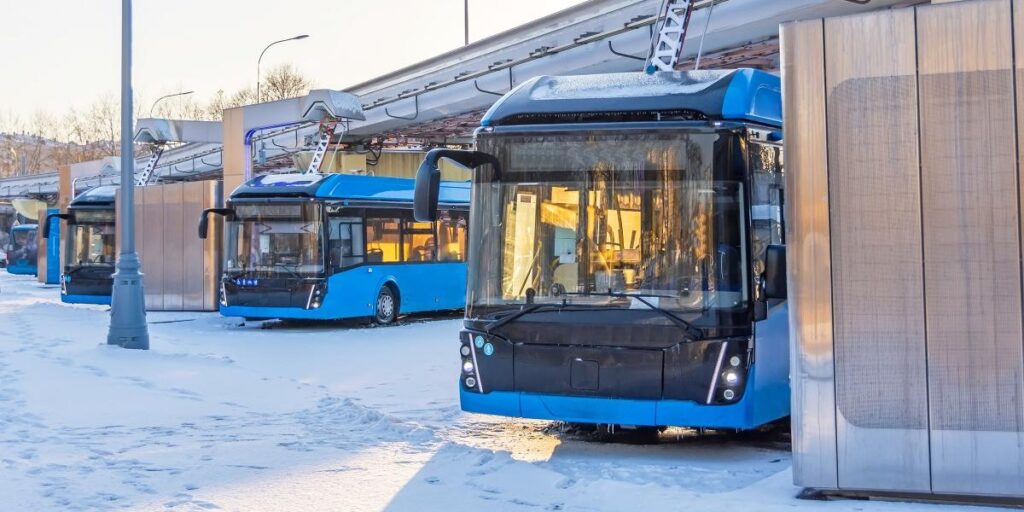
775,272
428,185
204,219
46,225
428,178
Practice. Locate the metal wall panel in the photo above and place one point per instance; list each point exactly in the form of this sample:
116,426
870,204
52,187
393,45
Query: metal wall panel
153,236
809,273
193,194
213,248
174,239
972,253
877,285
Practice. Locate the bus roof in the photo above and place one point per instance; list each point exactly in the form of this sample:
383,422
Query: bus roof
96,196
734,95
346,186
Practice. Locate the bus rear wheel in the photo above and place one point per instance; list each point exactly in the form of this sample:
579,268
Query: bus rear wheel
387,306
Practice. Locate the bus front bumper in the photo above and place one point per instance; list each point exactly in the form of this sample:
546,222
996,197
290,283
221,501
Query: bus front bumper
287,313
103,300
618,411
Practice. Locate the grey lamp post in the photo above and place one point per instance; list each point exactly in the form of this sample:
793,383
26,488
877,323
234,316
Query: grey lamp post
164,97
128,304
258,61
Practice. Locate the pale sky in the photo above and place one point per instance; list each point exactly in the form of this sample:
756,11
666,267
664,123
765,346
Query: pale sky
60,53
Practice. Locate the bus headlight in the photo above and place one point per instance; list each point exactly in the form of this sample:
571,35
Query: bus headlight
467,366
470,382
731,378
464,351
729,394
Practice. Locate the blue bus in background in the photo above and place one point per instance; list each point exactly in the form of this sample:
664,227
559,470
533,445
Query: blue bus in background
89,246
23,250
627,260
333,246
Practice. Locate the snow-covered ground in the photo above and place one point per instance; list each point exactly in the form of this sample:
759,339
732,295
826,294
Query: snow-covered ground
220,415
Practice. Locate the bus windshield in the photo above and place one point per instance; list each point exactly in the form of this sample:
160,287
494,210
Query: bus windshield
275,238
92,238
23,245
591,219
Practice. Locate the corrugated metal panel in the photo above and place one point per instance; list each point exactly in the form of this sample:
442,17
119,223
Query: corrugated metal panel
193,254
878,303
972,253
152,242
174,263
213,247
809,273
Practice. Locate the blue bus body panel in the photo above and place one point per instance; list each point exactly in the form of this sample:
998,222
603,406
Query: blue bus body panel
353,293
746,414
374,188
22,267
53,249
86,299
766,398
352,187
729,95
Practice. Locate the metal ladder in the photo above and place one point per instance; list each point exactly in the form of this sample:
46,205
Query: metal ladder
147,171
667,46
324,135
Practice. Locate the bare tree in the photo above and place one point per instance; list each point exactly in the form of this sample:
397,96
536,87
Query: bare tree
284,82
46,142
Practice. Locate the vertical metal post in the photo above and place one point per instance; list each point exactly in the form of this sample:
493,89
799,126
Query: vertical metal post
465,12
128,304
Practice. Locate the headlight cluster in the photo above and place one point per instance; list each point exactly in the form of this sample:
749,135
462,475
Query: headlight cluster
316,295
732,375
470,377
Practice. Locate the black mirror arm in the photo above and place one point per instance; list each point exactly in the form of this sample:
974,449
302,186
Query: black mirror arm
465,158
204,219
46,225
428,178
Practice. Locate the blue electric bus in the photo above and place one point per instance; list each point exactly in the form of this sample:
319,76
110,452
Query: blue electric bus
89,246
333,246
627,255
23,250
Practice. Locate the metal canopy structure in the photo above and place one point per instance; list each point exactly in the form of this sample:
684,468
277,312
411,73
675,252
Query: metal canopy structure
442,99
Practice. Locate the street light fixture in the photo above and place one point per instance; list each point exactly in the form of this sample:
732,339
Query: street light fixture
258,61
127,303
161,98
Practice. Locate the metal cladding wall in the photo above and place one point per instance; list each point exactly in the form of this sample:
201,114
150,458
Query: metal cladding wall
904,228
181,271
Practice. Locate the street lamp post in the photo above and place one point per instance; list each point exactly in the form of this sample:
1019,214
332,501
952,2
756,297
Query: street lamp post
128,304
258,61
164,97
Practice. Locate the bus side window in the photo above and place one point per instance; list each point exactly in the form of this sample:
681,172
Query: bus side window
345,242
451,231
419,243
767,195
382,240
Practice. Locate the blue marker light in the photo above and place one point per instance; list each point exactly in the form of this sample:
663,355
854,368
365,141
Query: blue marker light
488,349
479,342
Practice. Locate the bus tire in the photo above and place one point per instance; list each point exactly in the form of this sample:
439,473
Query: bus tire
386,308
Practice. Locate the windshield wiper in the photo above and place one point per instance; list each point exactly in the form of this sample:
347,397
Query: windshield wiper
693,331
289,269
527,309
